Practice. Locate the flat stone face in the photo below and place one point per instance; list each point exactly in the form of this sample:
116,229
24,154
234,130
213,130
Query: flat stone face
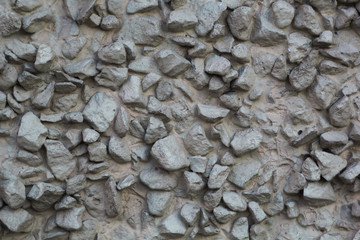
171,63
319,194
243,172
330,165
18,220
196,142
245,141
212,113
100,111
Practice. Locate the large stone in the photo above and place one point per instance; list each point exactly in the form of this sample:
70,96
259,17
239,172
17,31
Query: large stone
8,77
218,176
12,192
211,113
9,23
246,141
72,47
135,6
121,125
59,159
131,92
43,99
322,92
70,219
319,194
44,195
25,51
333,139
18,220
295,183
330,165
181,19
112,77
157,179
44,58
32,133
234,201
306,18
100,111
37,21
158,202
113,53
155,130
172,226
207,15
240,22
215,64
240,229
171,63
347,54
170,153
82,69
119,150
146,30
244,171
196,142
340,112
112,198
310,170
283,13
190,213
223,215
299,47
351,173
302,76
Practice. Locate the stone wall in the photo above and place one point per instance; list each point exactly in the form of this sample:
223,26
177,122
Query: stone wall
179,119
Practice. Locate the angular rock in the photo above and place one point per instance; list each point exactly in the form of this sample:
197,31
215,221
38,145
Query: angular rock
295,183
223,215
196,142
256,212
351,173
246,78
119,150
181,19
70,219
246,141
194,183
98,152
155,130
319,194
29,81
121,125
306,18
310,170
240,229
234,201
344,17
59,159
218,176
217,65
72,47
44,58
64,103
25,51
135,6
347,54
146,30
44,195
112,198
171,63
113,53
149,80
210,113
75,184
82,69
258,194
197,74
299,47
9,23
241,52
37,21
333,139
29,158
243,172
302,76
32,133
100,111
330,67
131,92
283,13
109,22
164,90
324,40
240,22
190,213
292,209
330,165
158,202
12,193
340,112
207,15
18,220
322,92
172,226
112,77
158,179
87,231
43,99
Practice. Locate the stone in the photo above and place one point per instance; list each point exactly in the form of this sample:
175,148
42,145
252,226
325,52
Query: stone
121,125
82,69
196,142
13,193
279,70
190,213
310,170
217,65
119,150
9,23
75,184
256,212
64,87
170,62
64,103
135,6
340,112
73,117
87,231
246,141
307,19
263,63
18,220
59,159
234,201
136,129
29,81
207,15
308,135
72,47
146,30
70,219
240,22
100,111
131,92
265,33
89,135
240,229
170,153
322,92
109,22
231,100
7,114
43,98
149,80
324,40
283,13
276,205
113,53
330,165
44,58
94,20
299,47
158,202
354,133
112,77
295,183
126,182
198,164
302,76
197,74
37,21
319,194
44,195
157,179
211,113
224,44
344,17
350,173
194,183
172,226
241,52
143,64
323,6
66,202
243,172
114,6
212,199
347,54
164,90
112,198
246,78
8,77
181,19
29,158
218,176
333,139
32,133
25,51
98,152
259,194
156,130
292,209
223,215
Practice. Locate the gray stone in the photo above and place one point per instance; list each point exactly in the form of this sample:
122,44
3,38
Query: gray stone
64,87
276,205
149,80
246,141
18,220
112,77
347,54
283,13
37,21
263,62
333,139
308,135
29,81
350,173
94,20
7,114
256,212
240,229
43,99
330,165
121,125
75,184
72,47
218,176
2,100
319,194
64,103
302,76
89,135
29,158
170,153
240,22
190,213
98,152
217,65
323,5
246,78
100,111
9,23
197,74
172,226
13,193
211,113
207,15
143,64
344,17
241,52
112,198
44,58
119,150
354,133
82,69
331,68
136,129
259,194
73,117
170,62
155,130
310,170
87,231
32,133
224,44
194,183
231,100
196,142
158,202
243,172
25,51
234,201
223,215
126,182
158,179
70,219
164,91
109,22
212,199
198,164
340,112
292,209
322,92
306,18
131,92
115,7
27,6
113,53
295,183
135,6
66,202
279,70
299,47
324,40
59,159
146,30
181,19
17,107
44,195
